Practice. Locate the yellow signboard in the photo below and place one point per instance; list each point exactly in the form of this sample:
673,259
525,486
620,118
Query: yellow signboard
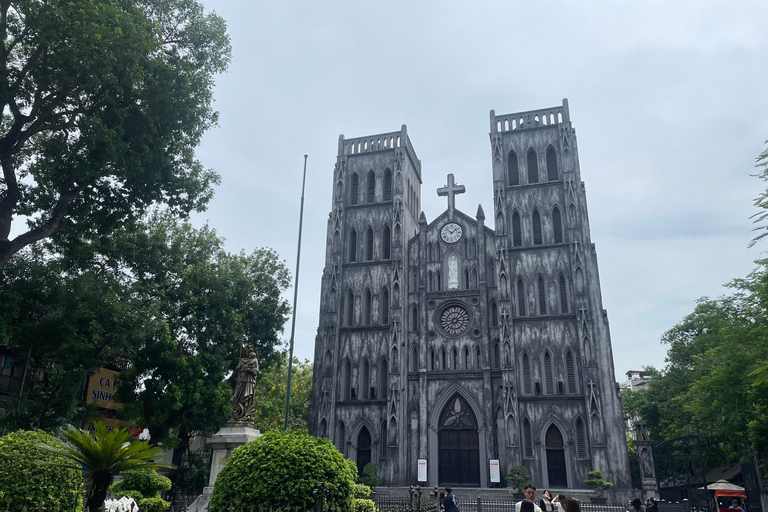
110,423
101,389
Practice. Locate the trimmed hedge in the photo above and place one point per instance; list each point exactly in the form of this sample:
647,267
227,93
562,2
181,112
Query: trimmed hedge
144,486
281,469
27,476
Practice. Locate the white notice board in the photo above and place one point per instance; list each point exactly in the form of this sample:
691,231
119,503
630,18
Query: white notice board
495,475
422,470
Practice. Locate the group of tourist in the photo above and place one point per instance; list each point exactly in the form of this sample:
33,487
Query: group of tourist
548,503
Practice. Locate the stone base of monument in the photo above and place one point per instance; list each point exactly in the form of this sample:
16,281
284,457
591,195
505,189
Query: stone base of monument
222,443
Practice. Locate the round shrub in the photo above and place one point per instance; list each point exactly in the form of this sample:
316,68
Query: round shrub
281,469
144,486
28,476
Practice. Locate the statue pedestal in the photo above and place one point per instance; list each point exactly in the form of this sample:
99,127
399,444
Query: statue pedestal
222,443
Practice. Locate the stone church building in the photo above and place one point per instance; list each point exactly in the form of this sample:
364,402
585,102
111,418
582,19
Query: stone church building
465,339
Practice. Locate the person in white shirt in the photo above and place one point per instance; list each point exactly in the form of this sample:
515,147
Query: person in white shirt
530,495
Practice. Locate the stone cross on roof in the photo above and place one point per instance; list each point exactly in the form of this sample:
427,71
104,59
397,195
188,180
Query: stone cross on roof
451,190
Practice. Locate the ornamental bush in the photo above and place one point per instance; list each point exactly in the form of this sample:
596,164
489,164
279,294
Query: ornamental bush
281,469
28,476
144,486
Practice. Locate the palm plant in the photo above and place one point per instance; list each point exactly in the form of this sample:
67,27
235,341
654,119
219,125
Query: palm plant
102,456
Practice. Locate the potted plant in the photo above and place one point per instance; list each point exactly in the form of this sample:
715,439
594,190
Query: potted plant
518,477
595,481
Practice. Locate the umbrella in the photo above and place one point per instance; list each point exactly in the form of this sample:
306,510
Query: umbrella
723,485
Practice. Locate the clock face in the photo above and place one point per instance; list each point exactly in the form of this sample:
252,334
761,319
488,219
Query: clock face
451,233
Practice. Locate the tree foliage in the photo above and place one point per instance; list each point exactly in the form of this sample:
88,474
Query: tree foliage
280,469
29,476
270,395
101,456
713,383
102,106
761,201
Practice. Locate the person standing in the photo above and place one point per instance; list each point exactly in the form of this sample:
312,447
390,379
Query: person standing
449,503
546,504
530,495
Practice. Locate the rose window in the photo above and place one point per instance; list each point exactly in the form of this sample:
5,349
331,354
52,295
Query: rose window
454,320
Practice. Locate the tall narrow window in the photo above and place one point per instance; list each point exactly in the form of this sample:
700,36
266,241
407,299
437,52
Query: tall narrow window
517,230
368,244
414,319
513,173
387,185
349,317
557,225
474,278
466,358
551,164
526,374
347,380
442,359
521,309
371,187
438,280
466,279
414,359
367,306
500,223
430,281
542,296
384,442
491,277
494,315
533,166
384,307
431,359
563,295
352,246
384,379
537,238
527,440
570,371
342,440
413,286
548,380
478,359
581,439
365,381
496,355
386,243
354,189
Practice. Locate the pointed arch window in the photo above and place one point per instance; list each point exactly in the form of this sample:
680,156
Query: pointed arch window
368,244
521,309
384,379
557,225
491,278
533,166
386,243
354,189
431,359
349,316
563,294
526,374
494,315
414,319
496,355
537,238
414,284
395,359
414,359
474,278
517,230
371,187
500,223
542,292
430,281
384,442
478,359
387,185
527,439
581,439
347,380
455,359
513,171
549,382
552,174
352,249
438,281
367,307
365,381
570,372
466,279
467,364
342,440
384,307
442,359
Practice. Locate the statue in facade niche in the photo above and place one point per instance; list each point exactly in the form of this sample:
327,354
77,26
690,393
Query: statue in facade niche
243,406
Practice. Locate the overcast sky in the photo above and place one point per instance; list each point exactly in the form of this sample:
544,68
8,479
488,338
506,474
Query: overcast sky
668,99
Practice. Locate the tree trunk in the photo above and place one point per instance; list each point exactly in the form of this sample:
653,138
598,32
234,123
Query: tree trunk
100,482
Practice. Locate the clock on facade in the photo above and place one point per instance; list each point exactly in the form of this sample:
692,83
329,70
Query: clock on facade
451,233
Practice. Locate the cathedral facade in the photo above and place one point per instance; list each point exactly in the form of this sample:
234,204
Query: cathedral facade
457,343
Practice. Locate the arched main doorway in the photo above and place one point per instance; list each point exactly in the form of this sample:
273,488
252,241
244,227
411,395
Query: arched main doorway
363,449
558,476
458,444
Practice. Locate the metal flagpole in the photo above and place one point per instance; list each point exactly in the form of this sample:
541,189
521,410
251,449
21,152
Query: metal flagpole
295,297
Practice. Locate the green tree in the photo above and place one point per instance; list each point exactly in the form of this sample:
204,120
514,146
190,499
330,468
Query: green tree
101,456
102,106
270,395
280,470
25,482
